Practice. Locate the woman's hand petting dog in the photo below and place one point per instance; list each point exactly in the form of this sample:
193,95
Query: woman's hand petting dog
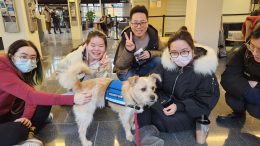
81,98
170,110
24,121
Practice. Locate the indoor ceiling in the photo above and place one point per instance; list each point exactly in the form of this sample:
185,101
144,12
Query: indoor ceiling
82,1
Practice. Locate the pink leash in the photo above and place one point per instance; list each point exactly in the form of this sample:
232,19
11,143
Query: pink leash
136,130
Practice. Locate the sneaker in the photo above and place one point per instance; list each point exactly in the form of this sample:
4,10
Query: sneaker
147,131
231,116
152,141
31,142
49,119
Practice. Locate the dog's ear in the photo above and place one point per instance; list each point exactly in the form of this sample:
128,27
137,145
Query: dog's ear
156,77
132,80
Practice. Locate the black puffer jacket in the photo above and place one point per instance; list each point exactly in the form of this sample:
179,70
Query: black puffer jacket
240,69
124,59
194,88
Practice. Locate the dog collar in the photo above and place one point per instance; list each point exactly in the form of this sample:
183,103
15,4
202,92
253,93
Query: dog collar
134,107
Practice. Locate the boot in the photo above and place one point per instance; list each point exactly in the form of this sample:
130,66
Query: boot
148,136
151,141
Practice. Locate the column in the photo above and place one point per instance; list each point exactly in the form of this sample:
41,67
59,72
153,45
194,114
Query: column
203,19
75,19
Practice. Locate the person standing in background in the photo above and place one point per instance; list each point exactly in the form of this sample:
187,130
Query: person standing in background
56,21
66,19
47,15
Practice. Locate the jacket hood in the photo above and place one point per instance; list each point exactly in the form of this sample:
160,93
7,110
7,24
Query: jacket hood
205,60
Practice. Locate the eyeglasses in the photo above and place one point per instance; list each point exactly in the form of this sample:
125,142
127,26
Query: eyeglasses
142,24
182,53
26,58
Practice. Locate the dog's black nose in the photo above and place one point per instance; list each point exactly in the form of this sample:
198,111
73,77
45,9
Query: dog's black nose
152,97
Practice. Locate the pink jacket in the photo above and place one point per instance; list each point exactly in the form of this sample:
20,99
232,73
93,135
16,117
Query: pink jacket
12,87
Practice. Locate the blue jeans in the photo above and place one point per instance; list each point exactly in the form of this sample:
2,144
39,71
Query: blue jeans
142,70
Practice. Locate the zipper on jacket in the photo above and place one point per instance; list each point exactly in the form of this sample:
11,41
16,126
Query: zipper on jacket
212,85
173,88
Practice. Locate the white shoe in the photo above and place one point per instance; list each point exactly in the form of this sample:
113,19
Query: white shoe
49,119
31,142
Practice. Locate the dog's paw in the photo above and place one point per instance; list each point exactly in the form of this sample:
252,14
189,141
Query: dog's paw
87,143
130,137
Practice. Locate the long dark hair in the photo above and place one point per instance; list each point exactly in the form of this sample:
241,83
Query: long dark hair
35,76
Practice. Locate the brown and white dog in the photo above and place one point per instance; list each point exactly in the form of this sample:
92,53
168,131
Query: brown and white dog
136,91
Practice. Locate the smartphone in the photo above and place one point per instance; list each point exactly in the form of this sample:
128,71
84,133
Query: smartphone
138,53
165,103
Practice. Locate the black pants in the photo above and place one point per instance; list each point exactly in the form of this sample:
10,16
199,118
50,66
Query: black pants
238,105
56,26
14,132
180,121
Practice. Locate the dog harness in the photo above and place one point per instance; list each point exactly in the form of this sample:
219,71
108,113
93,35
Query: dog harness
114,94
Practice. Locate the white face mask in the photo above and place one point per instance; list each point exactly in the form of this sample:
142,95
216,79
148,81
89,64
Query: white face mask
182,61
25,66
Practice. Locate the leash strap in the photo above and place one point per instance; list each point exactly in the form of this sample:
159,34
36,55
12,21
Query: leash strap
136,130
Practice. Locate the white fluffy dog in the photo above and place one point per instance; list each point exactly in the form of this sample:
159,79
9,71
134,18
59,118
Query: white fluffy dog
136,91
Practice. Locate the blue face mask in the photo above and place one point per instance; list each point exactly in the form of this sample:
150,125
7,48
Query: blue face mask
25,65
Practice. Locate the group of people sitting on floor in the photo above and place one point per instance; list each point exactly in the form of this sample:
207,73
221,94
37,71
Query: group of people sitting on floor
189,84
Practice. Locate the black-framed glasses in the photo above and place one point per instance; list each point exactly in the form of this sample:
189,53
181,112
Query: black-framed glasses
142,24
182,53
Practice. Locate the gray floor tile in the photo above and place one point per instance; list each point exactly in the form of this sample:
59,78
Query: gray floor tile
111,133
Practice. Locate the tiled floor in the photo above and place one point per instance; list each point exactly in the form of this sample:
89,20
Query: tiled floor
106,130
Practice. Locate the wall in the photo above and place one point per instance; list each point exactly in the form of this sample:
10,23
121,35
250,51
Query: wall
235,7
175,7
204,22
191,16
157,11
9,38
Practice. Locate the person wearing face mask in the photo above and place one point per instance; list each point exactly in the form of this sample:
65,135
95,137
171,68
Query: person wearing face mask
93,53
139,50
20,71
241,80
189,87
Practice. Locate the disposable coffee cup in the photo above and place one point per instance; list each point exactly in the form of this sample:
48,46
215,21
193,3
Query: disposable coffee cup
202,129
